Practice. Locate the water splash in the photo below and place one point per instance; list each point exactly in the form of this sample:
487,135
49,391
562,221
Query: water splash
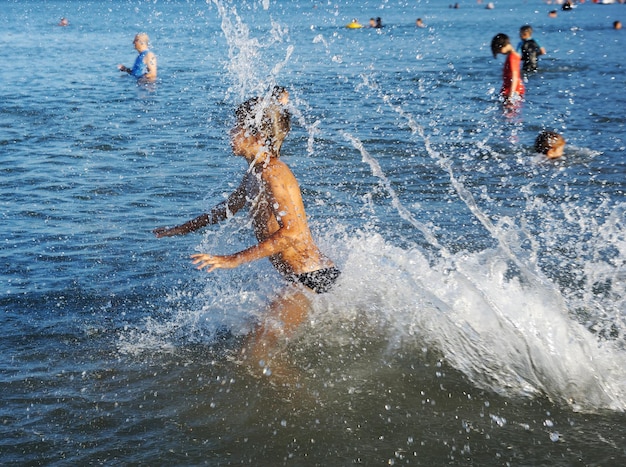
395,200
506,335
496,316
248,67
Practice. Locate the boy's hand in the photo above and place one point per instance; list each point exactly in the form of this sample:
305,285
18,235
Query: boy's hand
214,262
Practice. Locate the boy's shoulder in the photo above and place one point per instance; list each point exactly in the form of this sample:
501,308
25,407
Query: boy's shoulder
276,164
277,170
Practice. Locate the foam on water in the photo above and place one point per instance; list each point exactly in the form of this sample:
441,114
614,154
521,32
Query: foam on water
508,331
508,335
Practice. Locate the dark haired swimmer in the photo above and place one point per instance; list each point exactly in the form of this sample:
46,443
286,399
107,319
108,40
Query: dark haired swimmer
281,94
529,48
145,66
550,144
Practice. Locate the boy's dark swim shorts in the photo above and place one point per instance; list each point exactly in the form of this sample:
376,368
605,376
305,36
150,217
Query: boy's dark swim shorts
319,281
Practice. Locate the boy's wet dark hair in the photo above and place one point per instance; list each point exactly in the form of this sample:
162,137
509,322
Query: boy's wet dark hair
498,42
278,92
271,120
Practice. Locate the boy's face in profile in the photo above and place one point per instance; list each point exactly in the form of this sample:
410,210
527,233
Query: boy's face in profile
525,35
243,142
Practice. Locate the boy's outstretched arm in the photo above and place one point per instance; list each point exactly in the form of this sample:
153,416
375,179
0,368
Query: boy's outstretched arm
220,212
189,226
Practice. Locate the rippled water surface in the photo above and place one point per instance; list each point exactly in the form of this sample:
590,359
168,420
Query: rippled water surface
480,316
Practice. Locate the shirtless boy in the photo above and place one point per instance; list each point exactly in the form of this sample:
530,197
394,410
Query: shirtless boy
278,216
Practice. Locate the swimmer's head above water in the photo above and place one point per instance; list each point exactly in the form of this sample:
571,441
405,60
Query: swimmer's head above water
550,143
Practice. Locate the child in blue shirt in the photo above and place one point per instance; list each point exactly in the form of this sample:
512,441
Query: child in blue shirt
529,49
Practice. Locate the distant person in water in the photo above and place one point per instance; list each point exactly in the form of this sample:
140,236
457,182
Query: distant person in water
376,23
63,22
145,67
419,23
550,143
512,90
552,14
617,25
567,5
279,220
529,48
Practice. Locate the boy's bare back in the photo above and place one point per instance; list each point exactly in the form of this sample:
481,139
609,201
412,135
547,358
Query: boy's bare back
273,196
279,219
279,222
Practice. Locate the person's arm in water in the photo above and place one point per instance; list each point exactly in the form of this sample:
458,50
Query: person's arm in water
288,211
221,211
150,61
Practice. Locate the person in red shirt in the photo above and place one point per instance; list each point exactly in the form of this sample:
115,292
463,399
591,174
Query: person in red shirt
512,84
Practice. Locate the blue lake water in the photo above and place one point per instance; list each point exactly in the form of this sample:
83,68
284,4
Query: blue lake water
480,318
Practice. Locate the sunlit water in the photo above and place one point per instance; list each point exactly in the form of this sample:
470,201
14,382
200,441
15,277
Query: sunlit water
480,318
